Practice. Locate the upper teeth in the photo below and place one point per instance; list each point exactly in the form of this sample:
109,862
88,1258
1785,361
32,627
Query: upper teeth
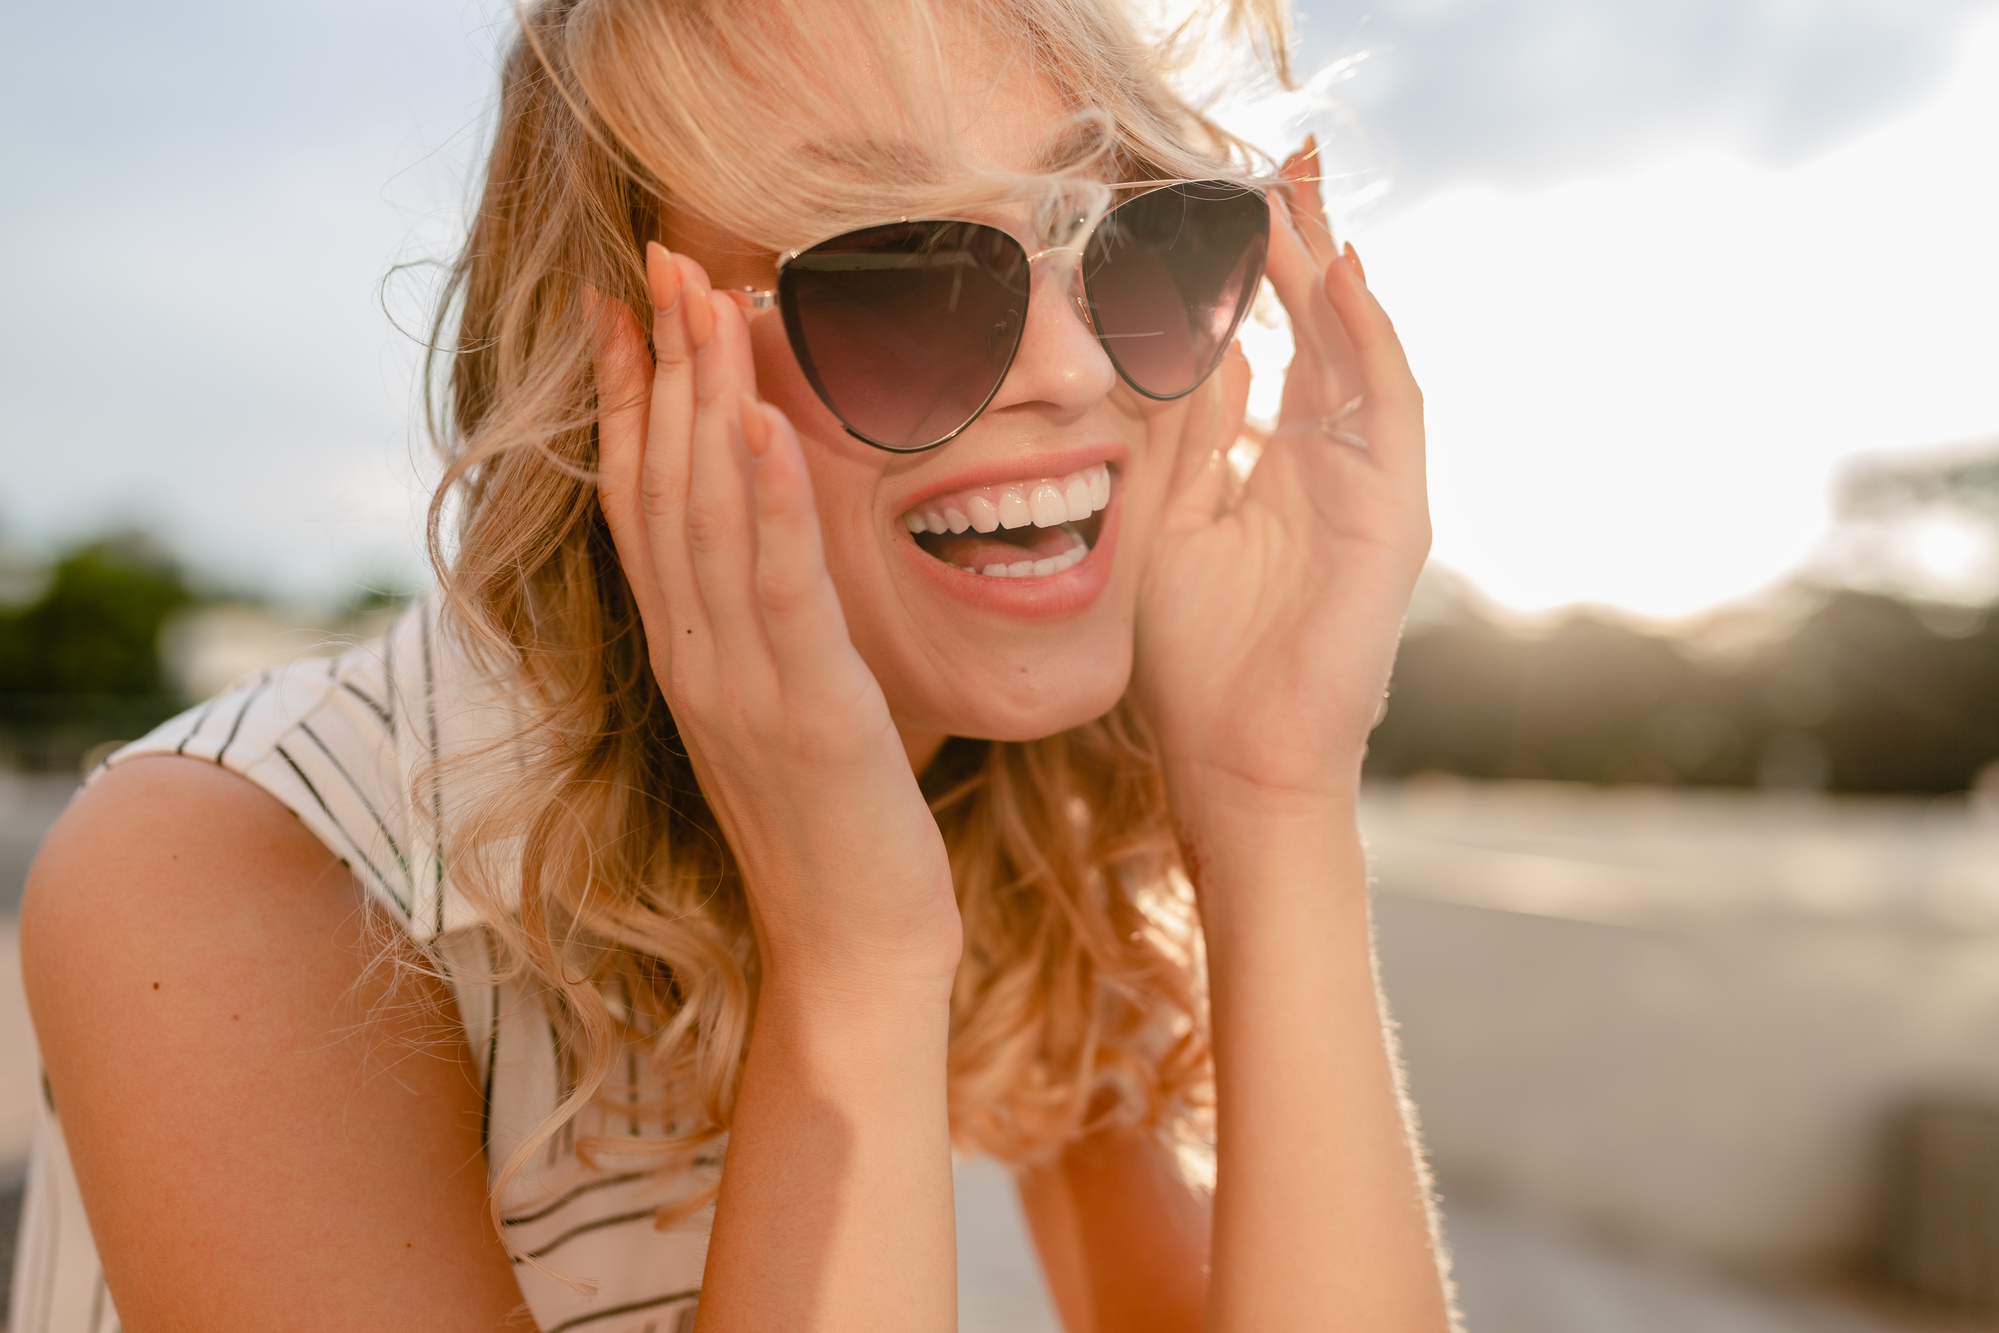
1045,502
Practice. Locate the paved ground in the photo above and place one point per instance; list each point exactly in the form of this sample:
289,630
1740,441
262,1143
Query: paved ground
1518,1273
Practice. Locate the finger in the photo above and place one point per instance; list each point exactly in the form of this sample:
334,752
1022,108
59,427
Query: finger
679,324
1394,403
801,609
1324,372
1307,202
721,529
621,371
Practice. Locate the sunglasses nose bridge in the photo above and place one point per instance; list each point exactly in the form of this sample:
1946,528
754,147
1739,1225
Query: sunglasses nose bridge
1067,263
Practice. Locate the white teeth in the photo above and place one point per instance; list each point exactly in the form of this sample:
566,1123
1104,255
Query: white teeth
1050,509
1053,564
1045,502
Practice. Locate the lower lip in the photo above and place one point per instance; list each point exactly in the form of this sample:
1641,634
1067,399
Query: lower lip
1043,596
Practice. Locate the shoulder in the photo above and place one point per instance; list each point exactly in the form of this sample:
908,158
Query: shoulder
225,1038
169,868
161,833
354,746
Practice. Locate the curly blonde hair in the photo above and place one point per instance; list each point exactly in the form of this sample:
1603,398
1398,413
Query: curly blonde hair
1078,1004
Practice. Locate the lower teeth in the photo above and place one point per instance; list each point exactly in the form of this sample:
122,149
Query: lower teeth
1021,569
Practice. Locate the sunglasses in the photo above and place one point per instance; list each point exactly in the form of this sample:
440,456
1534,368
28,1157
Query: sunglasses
907,330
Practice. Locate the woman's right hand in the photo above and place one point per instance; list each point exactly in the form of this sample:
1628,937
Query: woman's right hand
710,503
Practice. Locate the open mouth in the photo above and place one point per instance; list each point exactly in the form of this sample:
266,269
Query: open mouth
1018,529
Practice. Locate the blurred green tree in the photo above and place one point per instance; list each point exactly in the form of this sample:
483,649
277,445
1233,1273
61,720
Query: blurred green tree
80,663
95,629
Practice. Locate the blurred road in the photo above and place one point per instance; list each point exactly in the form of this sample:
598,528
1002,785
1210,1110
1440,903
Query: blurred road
1618,1020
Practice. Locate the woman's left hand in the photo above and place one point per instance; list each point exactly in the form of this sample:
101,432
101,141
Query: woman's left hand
1266,632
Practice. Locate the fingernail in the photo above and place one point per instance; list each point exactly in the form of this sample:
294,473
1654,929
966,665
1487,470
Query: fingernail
663,276
756,430
1353,261
700,313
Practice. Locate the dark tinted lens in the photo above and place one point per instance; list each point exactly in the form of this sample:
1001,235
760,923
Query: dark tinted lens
907,330
1169,275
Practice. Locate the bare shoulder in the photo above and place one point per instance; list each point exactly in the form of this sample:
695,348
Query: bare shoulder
166,866
226,1039
170,817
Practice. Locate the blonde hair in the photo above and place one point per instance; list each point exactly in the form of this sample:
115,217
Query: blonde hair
1078,1004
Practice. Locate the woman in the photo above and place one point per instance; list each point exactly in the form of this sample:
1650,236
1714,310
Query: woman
827,382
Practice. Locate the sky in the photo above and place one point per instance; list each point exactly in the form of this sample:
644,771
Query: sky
1661,269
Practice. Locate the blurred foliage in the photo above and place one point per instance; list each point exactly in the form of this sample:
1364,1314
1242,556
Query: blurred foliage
1837,689
1894,485
80,663
1864,693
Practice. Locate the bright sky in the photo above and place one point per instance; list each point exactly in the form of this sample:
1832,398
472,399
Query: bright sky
1640,385
1714,247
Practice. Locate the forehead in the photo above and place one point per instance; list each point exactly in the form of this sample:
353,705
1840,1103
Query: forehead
971,95
876,123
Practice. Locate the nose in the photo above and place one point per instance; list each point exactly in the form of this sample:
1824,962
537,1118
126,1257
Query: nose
1060,365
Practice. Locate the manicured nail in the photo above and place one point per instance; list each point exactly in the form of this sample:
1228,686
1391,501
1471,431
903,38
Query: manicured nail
663,276
756,429
1353,260
700,314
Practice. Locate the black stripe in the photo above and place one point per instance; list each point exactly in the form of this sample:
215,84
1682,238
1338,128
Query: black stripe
199,720
436,794
366,804
379,876
262,682
574,1195
389,674
635,1306
492,1059
381,712
622,1219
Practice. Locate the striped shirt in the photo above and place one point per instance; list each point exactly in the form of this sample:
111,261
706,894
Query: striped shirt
350,745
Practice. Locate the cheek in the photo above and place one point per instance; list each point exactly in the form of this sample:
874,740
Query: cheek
1155,431
782,383
845,472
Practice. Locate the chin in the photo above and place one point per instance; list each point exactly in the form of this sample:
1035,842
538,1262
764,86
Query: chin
1023,701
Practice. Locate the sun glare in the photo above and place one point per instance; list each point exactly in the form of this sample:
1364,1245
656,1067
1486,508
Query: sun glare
1640,386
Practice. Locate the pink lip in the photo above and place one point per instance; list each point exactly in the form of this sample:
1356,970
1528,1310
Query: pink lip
1001,470
1049,596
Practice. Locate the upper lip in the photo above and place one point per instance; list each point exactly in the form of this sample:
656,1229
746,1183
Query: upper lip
999,471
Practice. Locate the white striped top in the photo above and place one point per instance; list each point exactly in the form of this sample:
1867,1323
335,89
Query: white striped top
348,744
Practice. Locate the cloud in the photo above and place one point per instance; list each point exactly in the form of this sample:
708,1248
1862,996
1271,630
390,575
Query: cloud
1530,92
